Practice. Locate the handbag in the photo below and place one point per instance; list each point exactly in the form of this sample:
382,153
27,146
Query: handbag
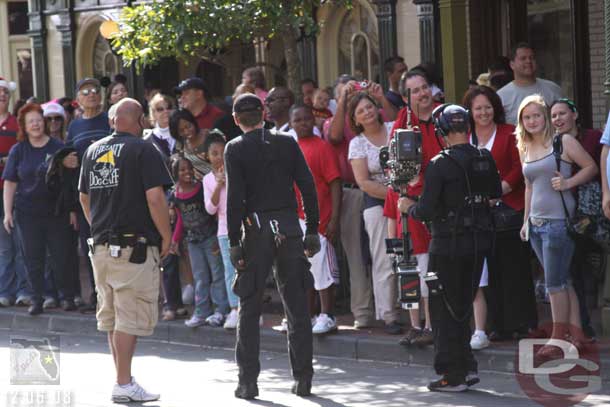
505,218
580,225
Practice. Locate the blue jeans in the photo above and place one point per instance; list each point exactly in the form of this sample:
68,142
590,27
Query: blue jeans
223,242
209,276
554,249
13,279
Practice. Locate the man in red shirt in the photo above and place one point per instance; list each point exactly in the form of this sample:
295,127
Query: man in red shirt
13,282
194,98
323,165
422,105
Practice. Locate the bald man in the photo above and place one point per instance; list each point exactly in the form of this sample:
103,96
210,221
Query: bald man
122,194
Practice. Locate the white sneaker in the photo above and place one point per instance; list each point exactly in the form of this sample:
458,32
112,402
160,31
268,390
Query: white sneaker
5,302
194,321
23,301
78,301
324,324
284,325
216,319
49,303
133,392
231,320
188,294
479,341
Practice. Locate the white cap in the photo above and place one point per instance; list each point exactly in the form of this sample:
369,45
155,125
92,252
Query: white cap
11,86
52,108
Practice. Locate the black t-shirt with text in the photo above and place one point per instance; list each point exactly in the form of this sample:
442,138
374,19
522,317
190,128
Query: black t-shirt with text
116,173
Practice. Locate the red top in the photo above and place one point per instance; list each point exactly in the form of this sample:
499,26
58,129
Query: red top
8,137
420,237
208,116
324,167
322,114
505,154
390,210
589,139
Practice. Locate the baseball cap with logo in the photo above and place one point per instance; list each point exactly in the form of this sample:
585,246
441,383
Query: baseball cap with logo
247,102
190,83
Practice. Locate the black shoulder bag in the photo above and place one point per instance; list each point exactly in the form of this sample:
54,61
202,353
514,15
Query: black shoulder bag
578,226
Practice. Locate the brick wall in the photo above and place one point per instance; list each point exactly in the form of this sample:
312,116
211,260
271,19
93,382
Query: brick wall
598,75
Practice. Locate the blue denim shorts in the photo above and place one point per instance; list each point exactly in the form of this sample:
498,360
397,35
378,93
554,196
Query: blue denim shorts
554,248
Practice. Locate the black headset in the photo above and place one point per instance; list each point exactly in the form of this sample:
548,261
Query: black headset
442,122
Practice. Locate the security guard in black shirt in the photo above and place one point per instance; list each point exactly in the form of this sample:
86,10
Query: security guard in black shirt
459,184
261,171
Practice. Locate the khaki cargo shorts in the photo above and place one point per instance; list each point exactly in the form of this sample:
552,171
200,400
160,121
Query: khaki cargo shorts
127,293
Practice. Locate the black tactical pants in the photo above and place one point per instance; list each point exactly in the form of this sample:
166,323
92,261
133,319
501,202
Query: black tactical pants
293,280
451,312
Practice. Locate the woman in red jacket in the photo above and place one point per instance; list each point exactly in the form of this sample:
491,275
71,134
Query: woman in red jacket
509,266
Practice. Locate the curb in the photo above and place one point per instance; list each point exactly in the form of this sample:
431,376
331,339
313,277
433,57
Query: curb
498,359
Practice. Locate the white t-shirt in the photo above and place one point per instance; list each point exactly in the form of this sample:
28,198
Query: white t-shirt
512,96
361,147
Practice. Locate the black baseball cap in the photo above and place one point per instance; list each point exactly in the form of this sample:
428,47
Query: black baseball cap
247,102
190,83
87,81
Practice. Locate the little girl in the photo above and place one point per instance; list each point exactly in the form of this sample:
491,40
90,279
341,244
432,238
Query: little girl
199,228
215,193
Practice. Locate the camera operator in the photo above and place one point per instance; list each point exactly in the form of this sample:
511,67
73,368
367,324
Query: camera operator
458,185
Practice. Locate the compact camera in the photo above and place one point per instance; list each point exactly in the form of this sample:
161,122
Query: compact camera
361,85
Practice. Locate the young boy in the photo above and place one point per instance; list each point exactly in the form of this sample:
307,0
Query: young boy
324,167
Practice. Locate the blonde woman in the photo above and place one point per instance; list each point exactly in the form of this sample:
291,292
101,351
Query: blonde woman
545,218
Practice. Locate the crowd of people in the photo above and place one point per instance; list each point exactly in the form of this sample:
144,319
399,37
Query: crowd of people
340,130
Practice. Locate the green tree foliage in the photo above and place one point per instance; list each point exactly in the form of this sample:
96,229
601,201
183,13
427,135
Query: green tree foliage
196,28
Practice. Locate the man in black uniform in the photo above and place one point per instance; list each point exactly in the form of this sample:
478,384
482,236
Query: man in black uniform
121,192
261,171
459,183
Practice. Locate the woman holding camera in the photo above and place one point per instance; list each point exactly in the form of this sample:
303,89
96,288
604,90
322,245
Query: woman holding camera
507,273
366,121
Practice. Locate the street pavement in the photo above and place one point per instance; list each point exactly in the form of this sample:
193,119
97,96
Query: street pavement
188,376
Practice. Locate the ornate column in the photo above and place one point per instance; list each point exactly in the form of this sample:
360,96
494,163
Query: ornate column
66,30
38,34
454,46
427,40
386,21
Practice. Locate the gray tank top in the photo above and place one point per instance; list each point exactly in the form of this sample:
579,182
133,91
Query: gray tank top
546,202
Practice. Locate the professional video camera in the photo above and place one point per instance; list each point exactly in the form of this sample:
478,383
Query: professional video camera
402,161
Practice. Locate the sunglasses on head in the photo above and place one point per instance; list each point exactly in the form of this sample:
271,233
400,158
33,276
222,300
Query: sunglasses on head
55,118
93,91
568,102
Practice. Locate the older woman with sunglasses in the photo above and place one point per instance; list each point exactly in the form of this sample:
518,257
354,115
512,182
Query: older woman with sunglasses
161,107
564,116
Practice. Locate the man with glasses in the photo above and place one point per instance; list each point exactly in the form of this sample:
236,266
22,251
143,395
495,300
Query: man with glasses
277,107
82,132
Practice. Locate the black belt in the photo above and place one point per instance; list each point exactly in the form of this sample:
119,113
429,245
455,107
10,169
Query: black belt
350,185
123,241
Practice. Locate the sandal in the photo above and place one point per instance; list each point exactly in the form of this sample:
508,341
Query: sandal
168,315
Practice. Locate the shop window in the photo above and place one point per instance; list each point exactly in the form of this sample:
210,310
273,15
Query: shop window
551,33
17,18
24,72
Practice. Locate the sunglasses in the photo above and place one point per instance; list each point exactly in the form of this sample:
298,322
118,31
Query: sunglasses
55,118
92,91
162,109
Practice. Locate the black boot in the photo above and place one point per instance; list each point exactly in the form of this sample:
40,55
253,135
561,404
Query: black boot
246,391
302,388
35,308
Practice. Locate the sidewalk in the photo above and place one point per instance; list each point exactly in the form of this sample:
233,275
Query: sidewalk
347,343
